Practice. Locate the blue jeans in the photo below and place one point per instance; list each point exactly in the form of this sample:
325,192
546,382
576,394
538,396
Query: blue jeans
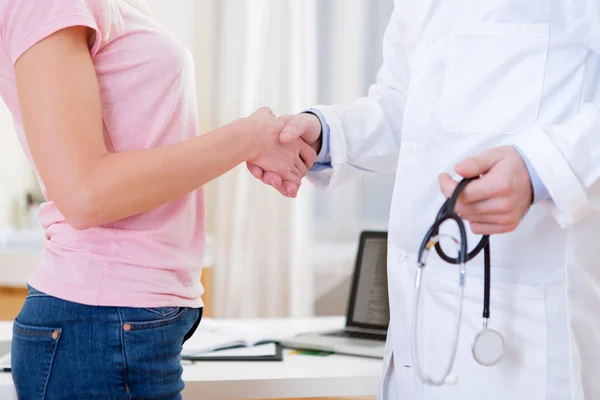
64,350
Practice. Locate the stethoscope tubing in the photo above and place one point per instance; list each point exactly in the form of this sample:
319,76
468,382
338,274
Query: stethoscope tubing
464,256
431,240
426,379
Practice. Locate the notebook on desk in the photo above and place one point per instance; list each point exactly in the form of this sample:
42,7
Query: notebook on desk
261,352
367,316
215,340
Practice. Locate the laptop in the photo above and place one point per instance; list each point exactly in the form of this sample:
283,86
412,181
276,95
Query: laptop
368,313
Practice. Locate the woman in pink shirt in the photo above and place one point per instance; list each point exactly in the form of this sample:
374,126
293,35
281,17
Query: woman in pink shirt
104,103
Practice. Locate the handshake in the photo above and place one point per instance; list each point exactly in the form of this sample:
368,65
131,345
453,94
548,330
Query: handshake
286,148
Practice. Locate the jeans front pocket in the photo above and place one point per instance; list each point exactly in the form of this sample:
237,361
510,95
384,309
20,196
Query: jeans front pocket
32,356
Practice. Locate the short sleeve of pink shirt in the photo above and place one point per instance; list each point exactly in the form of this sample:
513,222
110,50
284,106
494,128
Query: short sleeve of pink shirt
26,22
147,88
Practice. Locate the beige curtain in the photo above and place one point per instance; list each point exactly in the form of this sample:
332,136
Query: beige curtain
253,53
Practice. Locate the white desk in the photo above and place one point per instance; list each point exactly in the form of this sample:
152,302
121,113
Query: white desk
296,377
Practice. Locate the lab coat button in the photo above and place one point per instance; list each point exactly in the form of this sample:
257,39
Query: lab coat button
401,255
412,149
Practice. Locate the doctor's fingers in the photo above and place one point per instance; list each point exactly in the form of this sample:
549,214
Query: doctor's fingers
490,229
494,184
508,221
302,169
447,185
308,155
482,163
493,206
491,185
468,195
296,171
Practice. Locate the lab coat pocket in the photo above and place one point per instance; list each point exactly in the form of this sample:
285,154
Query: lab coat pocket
518,312
494,77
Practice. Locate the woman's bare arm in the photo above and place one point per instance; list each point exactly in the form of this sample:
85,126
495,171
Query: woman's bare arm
61,112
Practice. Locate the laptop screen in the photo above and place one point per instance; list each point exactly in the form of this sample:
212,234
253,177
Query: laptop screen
369,306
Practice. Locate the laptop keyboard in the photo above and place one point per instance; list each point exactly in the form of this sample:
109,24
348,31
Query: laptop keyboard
358,335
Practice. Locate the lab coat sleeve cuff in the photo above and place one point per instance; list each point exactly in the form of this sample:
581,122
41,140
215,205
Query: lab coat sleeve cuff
324,156
332,174
569,202
540,193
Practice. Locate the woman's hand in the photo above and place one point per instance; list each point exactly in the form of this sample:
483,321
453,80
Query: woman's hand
287,161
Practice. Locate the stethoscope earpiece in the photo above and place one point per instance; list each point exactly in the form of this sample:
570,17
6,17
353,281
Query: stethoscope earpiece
451,380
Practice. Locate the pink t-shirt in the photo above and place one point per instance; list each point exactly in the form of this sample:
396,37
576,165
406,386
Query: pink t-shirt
147,87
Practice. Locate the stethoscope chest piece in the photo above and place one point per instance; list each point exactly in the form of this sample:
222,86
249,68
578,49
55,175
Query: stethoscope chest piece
488,347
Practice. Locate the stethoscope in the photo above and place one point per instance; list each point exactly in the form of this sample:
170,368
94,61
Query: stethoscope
488,345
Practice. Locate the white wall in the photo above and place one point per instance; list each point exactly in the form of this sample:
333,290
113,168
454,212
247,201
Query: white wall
192,22
179,16
15,174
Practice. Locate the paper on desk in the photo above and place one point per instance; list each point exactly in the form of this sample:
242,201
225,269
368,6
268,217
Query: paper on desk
269,349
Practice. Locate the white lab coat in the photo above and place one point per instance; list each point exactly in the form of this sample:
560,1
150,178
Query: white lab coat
461,76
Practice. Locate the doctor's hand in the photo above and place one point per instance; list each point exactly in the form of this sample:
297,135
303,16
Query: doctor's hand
304,127
500,198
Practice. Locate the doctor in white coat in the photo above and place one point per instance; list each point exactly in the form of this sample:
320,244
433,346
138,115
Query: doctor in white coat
509,90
